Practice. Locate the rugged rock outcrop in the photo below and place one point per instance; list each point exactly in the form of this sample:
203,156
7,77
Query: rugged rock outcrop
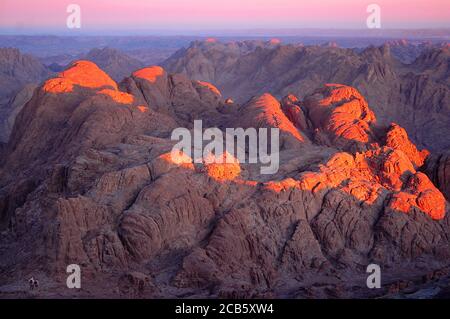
174,94
89,177
266,112
341,116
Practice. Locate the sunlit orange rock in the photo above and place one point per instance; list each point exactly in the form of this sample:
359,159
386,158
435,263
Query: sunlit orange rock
224,167
166,162
420,192
396,166
386,166
331,174
58,85
142,108
402,202
210,87
281,186
265,111
342,113
364,191
312,181
80,73
397,138
150,74
87,74
274,41
340,117
117,96
367,175
177,157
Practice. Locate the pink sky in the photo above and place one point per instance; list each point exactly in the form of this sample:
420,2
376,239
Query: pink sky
222,14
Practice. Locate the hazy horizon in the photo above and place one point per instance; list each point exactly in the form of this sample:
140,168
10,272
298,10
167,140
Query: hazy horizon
443,32
177,17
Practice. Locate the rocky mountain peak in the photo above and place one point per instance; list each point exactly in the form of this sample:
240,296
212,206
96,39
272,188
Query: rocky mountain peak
81,73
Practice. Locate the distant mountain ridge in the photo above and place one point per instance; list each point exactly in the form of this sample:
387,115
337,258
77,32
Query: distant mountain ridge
114,62
16,70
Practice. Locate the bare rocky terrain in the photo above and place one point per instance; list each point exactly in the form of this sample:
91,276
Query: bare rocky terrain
87,177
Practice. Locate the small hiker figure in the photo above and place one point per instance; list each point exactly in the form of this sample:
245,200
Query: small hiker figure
31,283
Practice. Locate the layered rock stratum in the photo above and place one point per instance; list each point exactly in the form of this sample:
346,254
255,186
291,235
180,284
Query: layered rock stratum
88,178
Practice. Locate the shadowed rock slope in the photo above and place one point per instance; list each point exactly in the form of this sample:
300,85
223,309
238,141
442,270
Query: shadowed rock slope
19,74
